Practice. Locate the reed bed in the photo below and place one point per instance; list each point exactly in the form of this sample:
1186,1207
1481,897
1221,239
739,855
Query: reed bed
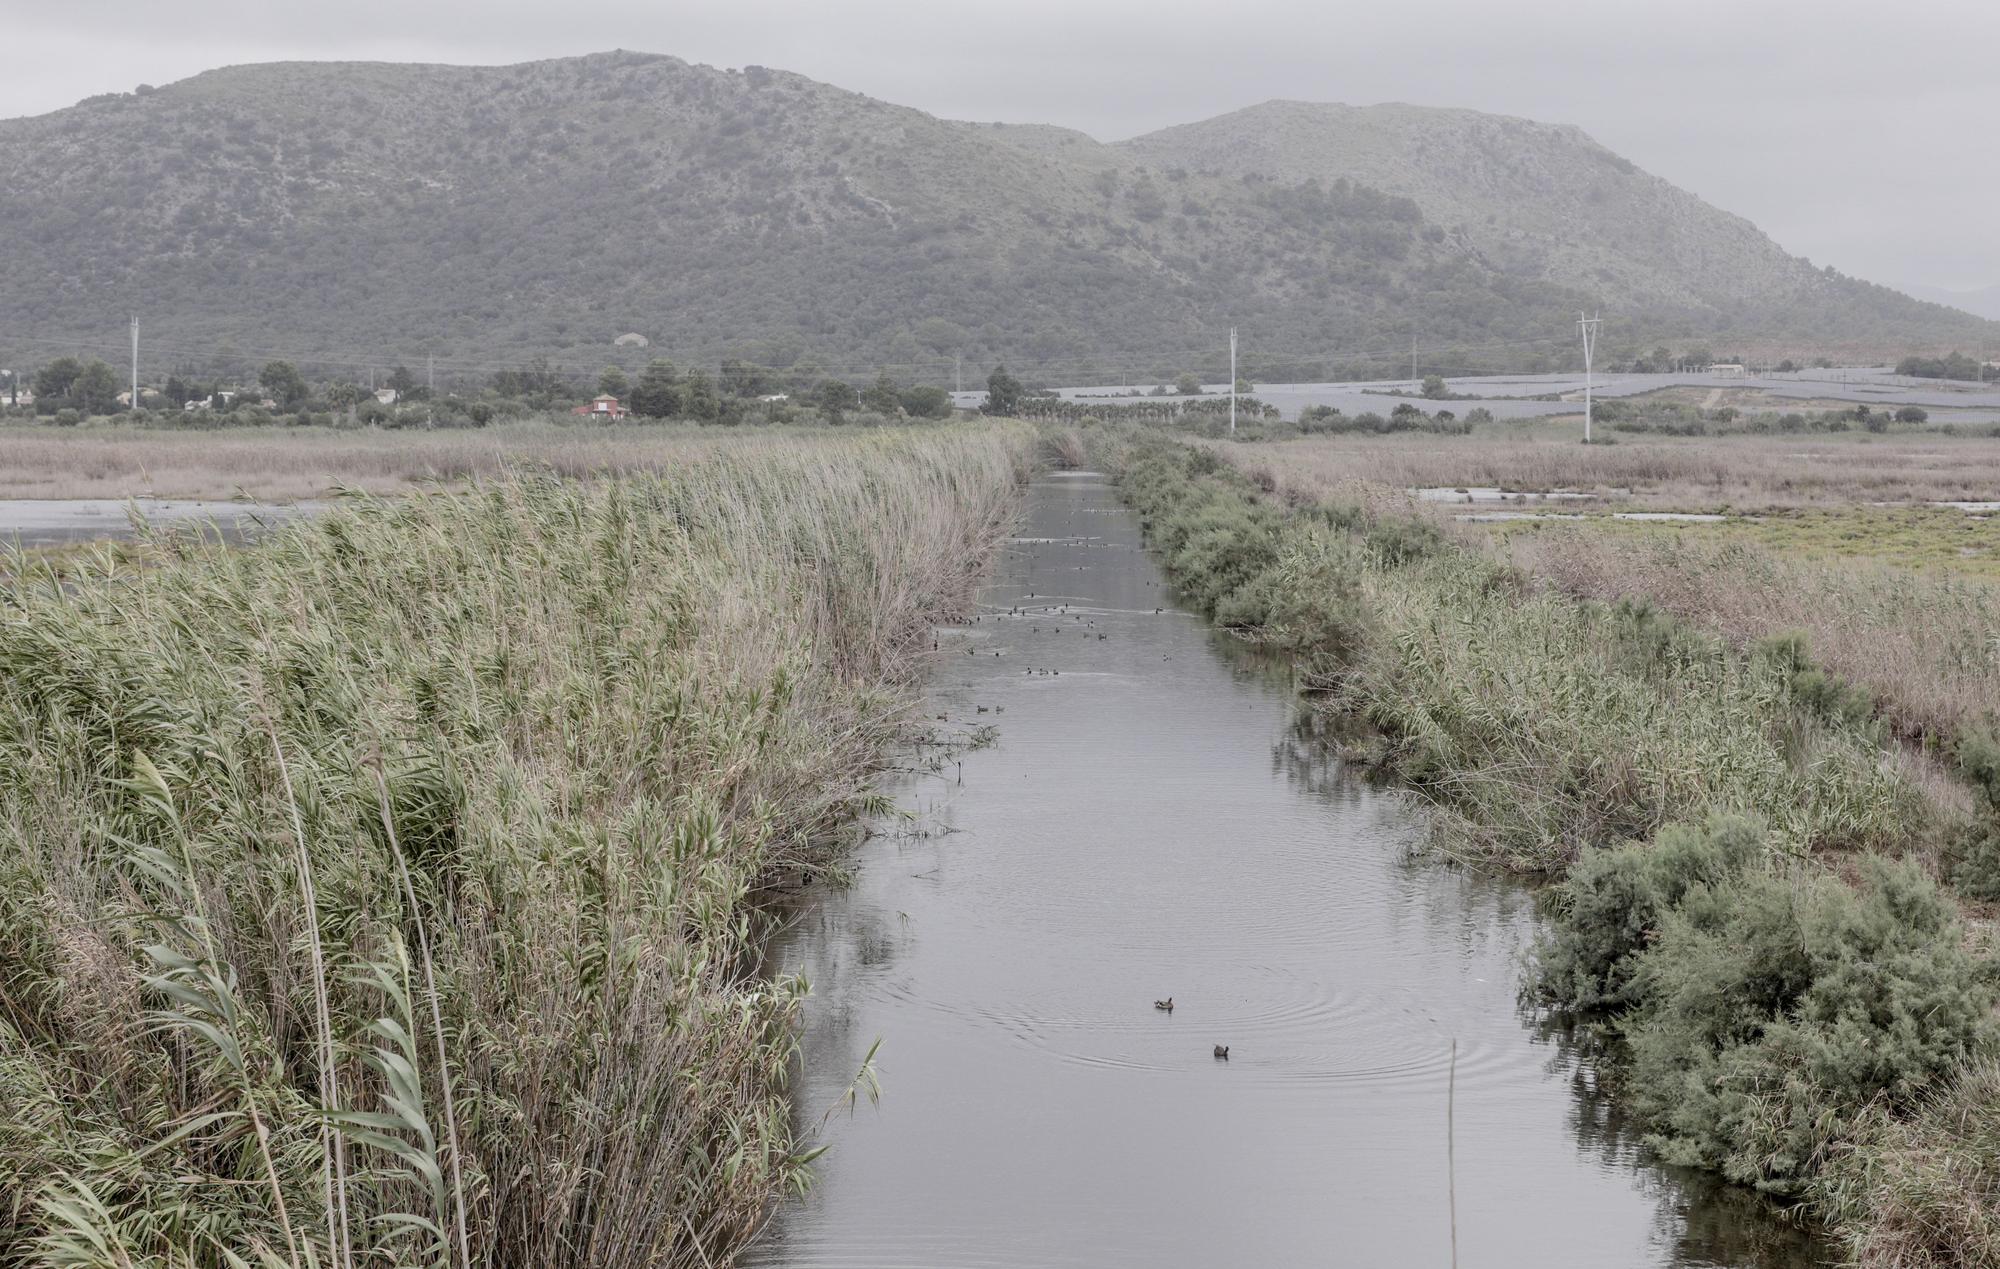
387,893
1922,642
1538,724
1746,863
1736,473
289,463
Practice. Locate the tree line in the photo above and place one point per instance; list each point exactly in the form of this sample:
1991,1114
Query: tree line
1954,365
70,389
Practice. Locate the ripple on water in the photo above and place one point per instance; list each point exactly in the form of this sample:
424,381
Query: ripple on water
1282,1027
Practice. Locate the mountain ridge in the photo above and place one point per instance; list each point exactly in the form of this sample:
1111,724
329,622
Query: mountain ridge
490,214
1983,301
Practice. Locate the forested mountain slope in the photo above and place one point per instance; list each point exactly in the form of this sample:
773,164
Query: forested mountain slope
490,214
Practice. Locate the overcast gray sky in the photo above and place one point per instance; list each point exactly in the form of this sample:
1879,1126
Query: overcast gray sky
1860,135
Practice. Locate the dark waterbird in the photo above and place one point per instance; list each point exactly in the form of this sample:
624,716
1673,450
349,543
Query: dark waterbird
1222,1051
1167,1004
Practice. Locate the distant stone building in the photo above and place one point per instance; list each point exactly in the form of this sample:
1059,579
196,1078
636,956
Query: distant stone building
631,339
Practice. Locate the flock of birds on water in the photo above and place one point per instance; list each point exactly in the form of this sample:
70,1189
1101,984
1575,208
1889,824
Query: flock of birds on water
1089,627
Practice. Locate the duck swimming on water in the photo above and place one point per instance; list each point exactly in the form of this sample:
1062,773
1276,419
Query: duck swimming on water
1167,1004
1222,1051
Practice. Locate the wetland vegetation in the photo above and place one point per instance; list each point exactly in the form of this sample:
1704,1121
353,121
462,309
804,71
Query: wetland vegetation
1760,784
296,832
389,892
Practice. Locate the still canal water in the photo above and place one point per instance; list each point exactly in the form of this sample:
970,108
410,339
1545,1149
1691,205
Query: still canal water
1150,821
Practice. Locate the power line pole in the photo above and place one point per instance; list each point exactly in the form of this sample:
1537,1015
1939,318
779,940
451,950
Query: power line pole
1587,325
1414,382
135,361
1232,381
430,389
958,369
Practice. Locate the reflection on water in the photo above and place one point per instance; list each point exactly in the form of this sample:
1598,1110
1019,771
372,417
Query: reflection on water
1152,821
43,522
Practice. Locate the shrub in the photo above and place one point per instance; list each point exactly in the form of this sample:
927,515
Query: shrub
1764,1013
1611,906
1780,1008
1824,695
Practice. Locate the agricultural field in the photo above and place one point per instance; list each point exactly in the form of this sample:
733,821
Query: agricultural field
390,892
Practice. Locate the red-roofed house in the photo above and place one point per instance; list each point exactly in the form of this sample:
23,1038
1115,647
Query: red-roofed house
604,407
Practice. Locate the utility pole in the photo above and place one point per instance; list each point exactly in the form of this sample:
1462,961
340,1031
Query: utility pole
1414,381
1587,325
135,361
1232,381
430,389
958,369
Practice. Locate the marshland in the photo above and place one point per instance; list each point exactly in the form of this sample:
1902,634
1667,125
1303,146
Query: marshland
657,845
611,662
1756,778
389,891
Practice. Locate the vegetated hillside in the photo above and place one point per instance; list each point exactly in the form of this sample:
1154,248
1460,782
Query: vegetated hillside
1544,201
346,211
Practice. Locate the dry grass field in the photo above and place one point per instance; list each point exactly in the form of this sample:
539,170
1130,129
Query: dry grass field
1900,599
1733,473
283,464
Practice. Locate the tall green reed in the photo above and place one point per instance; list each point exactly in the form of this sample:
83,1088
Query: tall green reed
505,770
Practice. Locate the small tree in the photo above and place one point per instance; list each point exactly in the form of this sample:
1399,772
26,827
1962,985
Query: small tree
1003,393
342,396
926,403
882,396
54,381
699,399
1188,384
1912,414
283,383
658,394
402,381
612,383
742,378
835,396
95,390
1435,389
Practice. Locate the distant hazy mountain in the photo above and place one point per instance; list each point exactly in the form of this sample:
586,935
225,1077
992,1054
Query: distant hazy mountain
1985,301
363,212
1538,199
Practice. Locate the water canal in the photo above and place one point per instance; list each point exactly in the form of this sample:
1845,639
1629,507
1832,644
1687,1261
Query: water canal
1150,821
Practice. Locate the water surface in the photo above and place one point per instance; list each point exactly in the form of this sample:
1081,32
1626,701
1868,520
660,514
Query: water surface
43,522
1150,821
